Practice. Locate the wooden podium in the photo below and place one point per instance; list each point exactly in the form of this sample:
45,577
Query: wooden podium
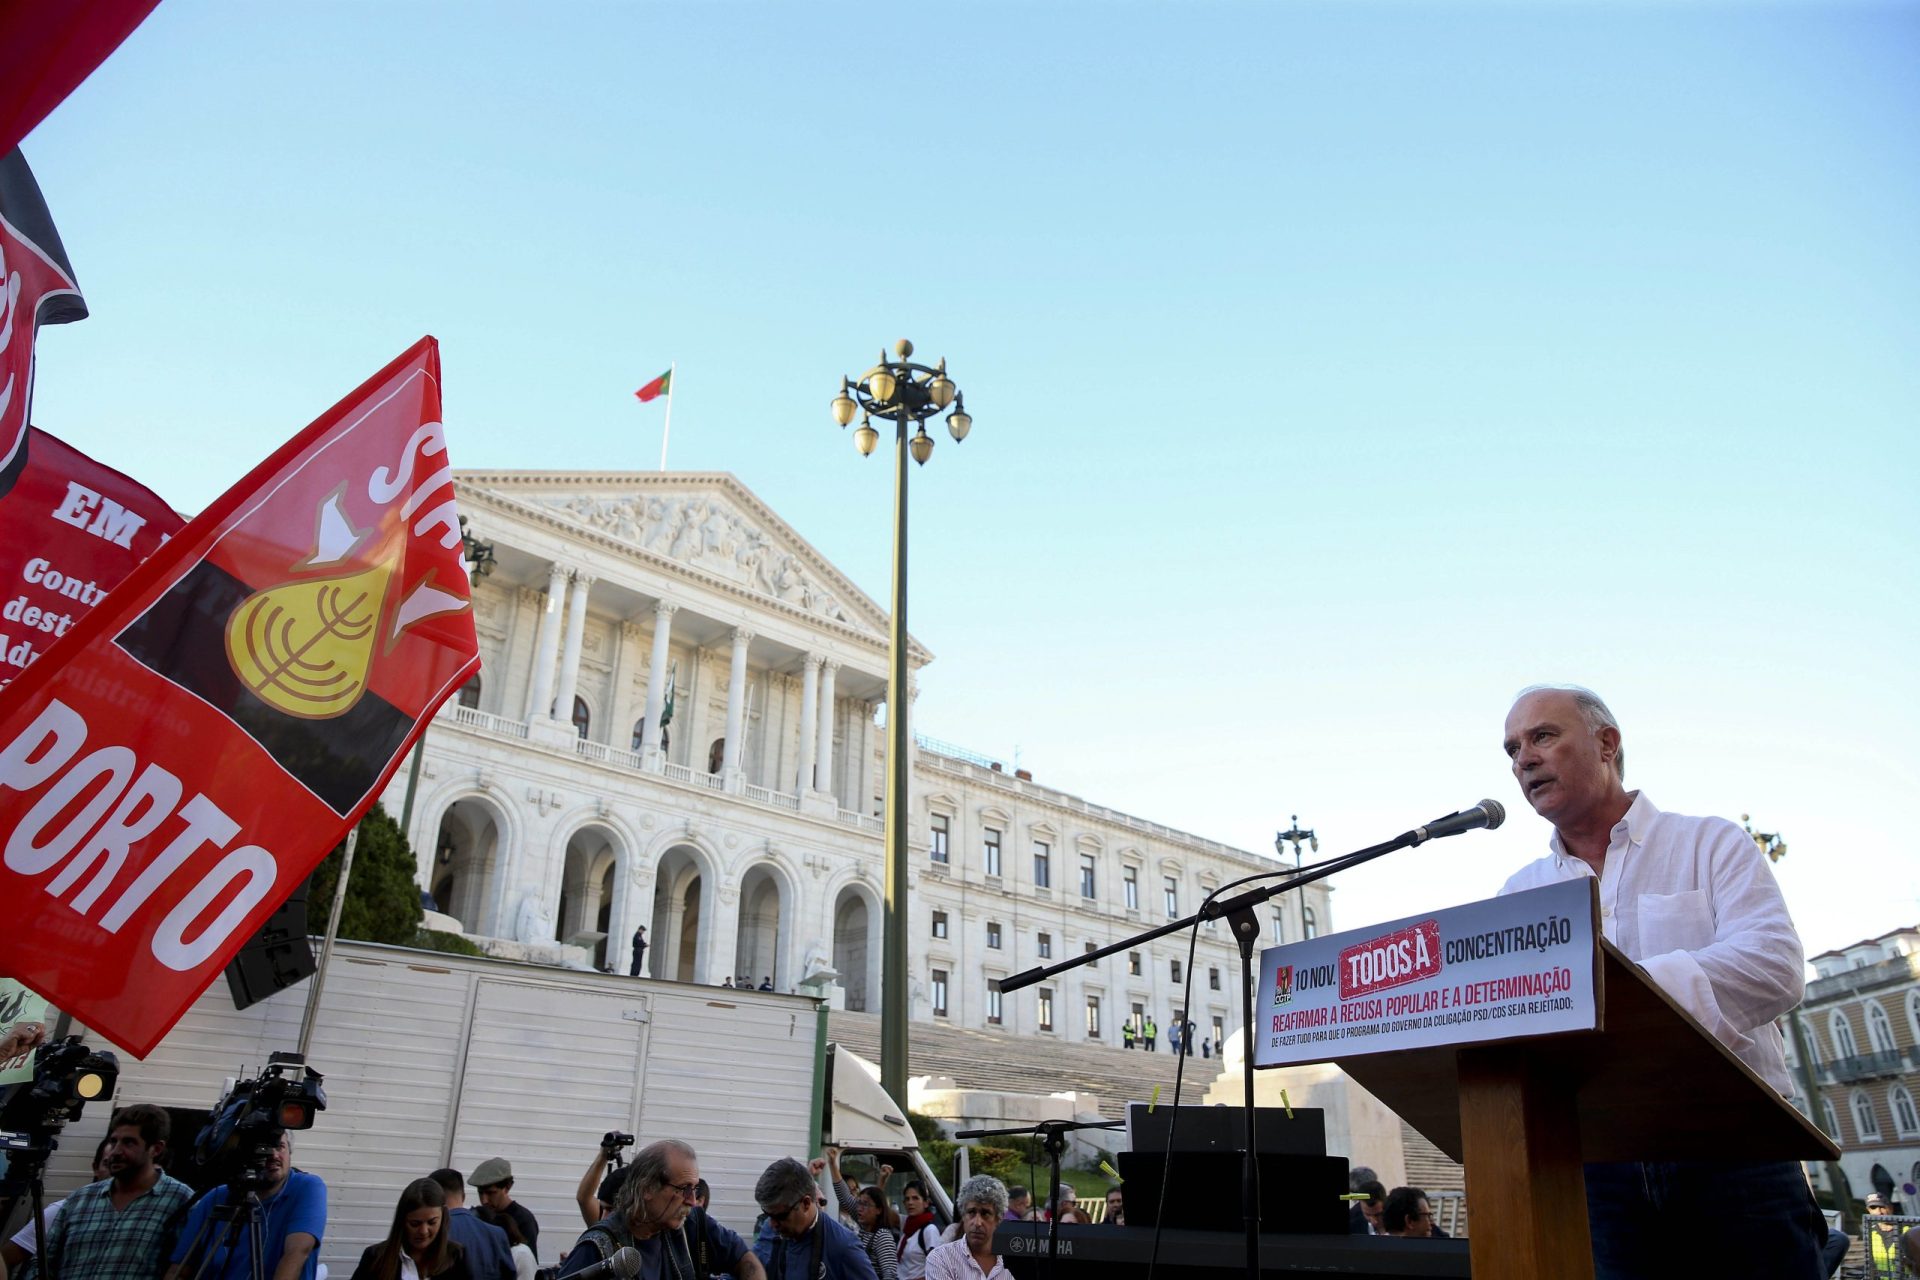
1523,1115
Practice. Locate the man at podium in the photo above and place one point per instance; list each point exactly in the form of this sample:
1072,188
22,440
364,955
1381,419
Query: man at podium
1694,903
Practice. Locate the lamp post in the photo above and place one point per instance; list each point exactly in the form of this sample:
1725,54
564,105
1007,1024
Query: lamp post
1296,838
906,395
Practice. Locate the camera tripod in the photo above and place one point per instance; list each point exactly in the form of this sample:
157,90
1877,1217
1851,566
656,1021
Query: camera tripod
26,1161
213,1246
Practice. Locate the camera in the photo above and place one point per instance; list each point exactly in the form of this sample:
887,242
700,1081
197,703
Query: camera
612,1143
66,1077
248,1121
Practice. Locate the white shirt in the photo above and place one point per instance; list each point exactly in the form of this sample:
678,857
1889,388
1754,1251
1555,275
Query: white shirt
1694,903
955,1261
27,1239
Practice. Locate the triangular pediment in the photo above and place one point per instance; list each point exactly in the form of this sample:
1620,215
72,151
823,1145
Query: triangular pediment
706,522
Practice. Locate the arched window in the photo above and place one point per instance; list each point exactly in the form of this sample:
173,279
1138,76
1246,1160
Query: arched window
640,736
1309,928
1842,1032
716,755
1829,1119
581,716
1864,1120
1913,1013
470,692
1906,1118
1879,1028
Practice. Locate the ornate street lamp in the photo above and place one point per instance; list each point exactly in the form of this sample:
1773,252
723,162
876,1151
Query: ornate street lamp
906,395
1770,843
1296,838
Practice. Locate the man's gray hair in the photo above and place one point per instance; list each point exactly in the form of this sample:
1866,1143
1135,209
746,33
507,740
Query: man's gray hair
1592,709
982,1188
782,1185
648,1173
1359,1176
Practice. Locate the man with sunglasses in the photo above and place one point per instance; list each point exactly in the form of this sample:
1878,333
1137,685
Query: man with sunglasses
804,1244
655,1213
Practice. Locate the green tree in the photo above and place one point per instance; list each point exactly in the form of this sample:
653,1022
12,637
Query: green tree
383,902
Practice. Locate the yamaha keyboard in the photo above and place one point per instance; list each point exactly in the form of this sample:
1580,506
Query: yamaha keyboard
1120,1253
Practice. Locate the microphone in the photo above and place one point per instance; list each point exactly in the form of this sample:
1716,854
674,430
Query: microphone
623,1265
1488,814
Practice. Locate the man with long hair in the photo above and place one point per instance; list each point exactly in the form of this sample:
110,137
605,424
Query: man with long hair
655,1214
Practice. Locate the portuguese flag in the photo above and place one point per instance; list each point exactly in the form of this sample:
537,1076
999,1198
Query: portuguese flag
660,386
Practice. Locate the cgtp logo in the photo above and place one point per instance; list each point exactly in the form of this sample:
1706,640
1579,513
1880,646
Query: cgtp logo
1282,985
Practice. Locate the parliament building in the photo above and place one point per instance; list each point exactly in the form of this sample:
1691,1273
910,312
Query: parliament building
679,724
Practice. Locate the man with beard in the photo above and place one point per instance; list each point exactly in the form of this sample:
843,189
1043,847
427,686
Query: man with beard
293,1215
122,1228
1693,902
980,1204
654,1214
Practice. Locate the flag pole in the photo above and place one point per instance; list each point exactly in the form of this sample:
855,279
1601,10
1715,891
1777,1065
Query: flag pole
666,432
326,947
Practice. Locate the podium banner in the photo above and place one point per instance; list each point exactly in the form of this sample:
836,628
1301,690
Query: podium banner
1520,965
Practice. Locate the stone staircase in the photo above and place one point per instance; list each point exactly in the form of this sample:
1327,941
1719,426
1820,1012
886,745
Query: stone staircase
1001,1062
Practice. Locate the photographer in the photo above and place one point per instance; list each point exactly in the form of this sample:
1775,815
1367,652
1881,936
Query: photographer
655,1215
293,1216
598,1189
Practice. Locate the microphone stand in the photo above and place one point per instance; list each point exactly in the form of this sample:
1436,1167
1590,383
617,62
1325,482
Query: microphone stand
1238,912
1053,1137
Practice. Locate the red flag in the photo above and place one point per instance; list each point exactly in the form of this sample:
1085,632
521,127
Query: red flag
36,288
70,530
187,753
52,45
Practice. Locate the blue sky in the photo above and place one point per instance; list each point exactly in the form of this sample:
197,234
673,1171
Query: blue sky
1337,369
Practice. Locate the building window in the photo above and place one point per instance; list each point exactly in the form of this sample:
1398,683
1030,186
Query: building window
993,935
1309,928
1043,1006
1173,896
1176,971
1219,1034
1131,878
1913,1013
1865,1122
1093,1017
939,993
1879,1028
640,736
1042,865
1046,946
1279,929
1133,964
993,1001
582,718
1088,948
1829,1120
1213,977
1905,1118
470,693
990,847
939,924
1087,888
716,754
1842,1032
1139,1018
940,831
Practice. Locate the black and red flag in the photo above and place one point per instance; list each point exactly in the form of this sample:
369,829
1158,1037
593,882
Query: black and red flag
36,287
173,767
52,45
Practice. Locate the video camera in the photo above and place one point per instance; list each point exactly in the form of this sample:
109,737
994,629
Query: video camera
248,1121
612,1143
66,1077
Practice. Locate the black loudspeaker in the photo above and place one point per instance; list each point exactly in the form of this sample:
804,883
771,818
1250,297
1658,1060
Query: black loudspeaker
1280,1131
276,957
1299,1195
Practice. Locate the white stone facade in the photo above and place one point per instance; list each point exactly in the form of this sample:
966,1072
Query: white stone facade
549,810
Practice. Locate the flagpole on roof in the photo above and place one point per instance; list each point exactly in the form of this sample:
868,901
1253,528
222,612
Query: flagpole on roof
666,432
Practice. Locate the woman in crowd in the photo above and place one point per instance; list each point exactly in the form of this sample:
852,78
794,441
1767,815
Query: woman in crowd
518,1249
417,1247
918,1234
878,1224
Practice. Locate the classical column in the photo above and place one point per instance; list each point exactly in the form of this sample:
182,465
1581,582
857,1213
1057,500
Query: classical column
823,761
657,675
736,702
809,706
546,647
570,656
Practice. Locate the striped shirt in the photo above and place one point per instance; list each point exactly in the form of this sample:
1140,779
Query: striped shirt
98,1241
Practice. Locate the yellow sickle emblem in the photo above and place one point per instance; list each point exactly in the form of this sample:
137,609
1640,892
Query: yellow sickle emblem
305,648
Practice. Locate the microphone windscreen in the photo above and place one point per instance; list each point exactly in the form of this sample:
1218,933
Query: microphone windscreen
626,1263
1496,813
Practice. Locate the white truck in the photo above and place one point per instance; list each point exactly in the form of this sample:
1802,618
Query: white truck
435,1060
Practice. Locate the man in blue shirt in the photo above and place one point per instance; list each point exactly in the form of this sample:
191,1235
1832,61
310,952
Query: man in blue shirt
293,1216
489,1256
804,1244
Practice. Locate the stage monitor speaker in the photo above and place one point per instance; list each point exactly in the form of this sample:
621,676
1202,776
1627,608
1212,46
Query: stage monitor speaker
276,957
1299,1195
1279,1132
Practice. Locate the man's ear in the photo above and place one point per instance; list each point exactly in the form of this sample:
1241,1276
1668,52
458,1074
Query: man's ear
1609,742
